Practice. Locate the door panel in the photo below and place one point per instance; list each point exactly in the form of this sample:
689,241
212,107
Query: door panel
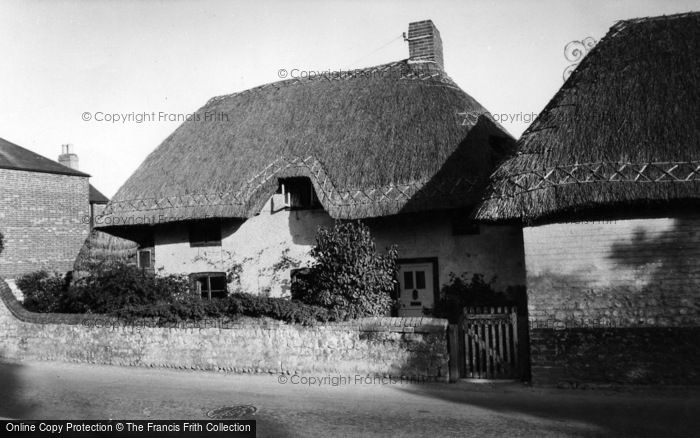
416,289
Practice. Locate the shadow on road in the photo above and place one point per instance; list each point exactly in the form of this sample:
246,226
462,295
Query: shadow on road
12,403
635,413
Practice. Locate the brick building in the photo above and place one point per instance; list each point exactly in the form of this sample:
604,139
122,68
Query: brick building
44,212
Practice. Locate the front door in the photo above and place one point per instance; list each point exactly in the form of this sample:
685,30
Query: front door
416,288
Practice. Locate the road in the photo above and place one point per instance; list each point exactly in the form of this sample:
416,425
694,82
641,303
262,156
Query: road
54,390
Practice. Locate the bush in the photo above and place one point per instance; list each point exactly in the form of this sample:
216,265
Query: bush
42,291
105,290
111,287
278,308
461,292
126,291
2,243
348,277
233,306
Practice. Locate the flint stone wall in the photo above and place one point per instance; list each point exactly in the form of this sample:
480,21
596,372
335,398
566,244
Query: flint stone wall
410,347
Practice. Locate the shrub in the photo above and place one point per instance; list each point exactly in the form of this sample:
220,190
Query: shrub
462,291
42,290
233,306
2,243
114,286
278,308
126,291
348,276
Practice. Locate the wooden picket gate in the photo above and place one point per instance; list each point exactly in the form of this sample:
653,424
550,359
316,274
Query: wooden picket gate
490,343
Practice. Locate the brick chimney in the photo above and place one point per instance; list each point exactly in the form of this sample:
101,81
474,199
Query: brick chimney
424,42
67,157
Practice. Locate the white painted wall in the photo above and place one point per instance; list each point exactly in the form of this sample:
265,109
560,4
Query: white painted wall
496,251
260,243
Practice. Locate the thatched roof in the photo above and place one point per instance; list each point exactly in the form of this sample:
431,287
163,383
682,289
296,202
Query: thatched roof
374,142
100,248
622,130
16,157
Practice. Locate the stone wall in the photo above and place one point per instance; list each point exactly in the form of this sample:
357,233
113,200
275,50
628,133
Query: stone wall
411,347
615,300
641,355
44,218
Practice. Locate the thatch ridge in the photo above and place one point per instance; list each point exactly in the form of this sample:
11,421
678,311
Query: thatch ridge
371,141
622,129
402,70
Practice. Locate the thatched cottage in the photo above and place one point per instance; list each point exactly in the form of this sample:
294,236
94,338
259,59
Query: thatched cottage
606,183
249,179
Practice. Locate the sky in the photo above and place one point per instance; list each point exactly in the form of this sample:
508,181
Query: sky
64,62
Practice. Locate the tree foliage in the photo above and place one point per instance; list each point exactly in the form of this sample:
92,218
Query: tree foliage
349,277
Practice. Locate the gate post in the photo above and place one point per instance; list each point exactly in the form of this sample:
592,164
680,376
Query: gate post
453,348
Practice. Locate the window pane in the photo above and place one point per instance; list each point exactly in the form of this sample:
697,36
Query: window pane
210,285
144,259
203,287
420,279
218,286
300,192
408,280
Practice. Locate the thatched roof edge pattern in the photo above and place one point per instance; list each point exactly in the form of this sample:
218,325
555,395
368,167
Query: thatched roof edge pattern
249,200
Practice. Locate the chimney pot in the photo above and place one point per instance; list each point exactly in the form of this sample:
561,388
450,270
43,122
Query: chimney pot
67,157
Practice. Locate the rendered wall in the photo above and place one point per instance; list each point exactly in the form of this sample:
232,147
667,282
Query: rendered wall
615,301
268,246
271,244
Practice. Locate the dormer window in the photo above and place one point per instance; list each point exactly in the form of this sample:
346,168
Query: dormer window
298,193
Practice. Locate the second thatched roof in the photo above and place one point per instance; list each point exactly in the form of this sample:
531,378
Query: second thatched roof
624,129
388,139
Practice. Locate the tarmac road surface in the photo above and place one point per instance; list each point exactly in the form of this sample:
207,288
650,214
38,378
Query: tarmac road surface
302,406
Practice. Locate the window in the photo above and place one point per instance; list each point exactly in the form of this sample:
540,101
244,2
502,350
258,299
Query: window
210,285
299,193
408,279
145,259
420,279
205,233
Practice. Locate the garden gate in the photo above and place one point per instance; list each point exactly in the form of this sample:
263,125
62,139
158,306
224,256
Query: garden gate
490,343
